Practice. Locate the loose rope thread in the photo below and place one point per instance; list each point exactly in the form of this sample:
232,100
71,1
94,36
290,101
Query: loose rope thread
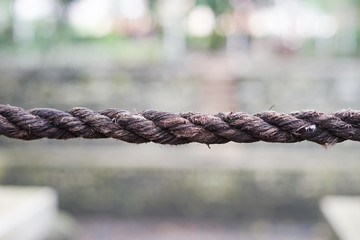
175,129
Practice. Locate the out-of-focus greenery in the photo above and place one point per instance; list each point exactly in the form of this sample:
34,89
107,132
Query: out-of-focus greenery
212,42
218,6
65,34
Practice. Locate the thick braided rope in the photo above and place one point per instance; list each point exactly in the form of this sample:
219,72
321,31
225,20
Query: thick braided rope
174,129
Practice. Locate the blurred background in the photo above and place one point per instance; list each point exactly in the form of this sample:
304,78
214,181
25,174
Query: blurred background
182,55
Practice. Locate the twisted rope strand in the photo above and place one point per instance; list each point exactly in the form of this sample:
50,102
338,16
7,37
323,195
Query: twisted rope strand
175,129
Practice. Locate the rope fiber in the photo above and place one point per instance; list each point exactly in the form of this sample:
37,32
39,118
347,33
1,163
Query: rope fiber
182,128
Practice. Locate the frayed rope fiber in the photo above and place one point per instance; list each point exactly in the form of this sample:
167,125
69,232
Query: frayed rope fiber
174,129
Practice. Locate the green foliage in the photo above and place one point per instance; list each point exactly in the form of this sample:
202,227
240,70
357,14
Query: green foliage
218,6
212,42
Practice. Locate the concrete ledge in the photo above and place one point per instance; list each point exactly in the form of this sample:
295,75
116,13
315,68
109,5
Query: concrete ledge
26,212
343,213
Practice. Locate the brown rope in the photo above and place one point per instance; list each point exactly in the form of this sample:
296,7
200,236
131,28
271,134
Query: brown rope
174,129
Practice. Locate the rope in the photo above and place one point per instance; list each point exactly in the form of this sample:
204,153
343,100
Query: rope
174,129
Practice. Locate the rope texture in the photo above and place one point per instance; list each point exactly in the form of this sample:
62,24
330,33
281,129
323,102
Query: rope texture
174,129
